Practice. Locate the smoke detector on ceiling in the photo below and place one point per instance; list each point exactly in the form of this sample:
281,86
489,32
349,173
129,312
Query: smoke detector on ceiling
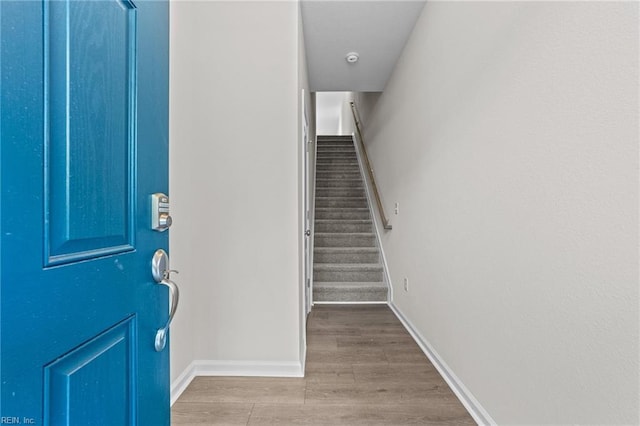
352,57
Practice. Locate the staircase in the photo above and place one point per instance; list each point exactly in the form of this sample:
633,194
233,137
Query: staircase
346,265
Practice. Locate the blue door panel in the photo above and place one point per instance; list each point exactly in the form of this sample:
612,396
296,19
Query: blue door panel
93,384
90,71
76,242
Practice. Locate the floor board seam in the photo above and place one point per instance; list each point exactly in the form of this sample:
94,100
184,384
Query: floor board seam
250,414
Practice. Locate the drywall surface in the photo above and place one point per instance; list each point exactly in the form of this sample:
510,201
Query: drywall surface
366,102
508,134
235,182
329,112
347,123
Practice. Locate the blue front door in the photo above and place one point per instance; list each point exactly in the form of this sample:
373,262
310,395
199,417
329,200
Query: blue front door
84,132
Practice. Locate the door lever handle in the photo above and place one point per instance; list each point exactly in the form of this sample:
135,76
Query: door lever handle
161,334
162,276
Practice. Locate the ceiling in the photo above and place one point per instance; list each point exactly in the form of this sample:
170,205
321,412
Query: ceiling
376,29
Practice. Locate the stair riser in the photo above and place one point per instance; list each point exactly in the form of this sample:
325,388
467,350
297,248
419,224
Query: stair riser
332,155
338,175
337,162
335,147
345,240
341,203
339,295
336,153
340,154
339,183
329,172
341,257
343,227
332,168
344,276
339,142
340,192
346,214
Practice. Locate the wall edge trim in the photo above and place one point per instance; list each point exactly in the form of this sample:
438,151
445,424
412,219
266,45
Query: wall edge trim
473,406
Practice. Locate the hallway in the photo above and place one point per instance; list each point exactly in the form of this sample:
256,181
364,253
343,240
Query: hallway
362,368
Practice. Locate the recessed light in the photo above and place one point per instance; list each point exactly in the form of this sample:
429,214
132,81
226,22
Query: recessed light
352,57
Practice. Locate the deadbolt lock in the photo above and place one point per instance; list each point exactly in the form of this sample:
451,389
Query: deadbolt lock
160,218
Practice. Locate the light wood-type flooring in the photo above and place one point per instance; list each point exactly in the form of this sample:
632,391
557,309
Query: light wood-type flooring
363,368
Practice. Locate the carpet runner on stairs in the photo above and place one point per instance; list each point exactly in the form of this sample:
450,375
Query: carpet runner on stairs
346,265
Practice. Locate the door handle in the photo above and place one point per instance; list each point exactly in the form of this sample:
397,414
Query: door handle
162,275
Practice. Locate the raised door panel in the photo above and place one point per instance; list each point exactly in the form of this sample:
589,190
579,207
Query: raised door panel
94,383
90,128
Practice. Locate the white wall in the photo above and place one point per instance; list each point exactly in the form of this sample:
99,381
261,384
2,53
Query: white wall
347,124
329,112
366,102
235,182
508,133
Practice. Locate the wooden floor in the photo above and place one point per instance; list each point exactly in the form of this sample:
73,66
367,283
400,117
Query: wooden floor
363,368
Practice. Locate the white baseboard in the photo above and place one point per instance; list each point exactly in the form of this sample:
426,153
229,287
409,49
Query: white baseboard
479,414
180,384
233,368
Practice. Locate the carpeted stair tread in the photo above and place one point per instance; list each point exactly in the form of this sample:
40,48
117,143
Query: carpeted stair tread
335,147
349,292
340,192
330,181
344,250
347,267
345,239
347,272
339,172
342,213
333,164
346,284
346,255
343,225
341,202
338,183
338,168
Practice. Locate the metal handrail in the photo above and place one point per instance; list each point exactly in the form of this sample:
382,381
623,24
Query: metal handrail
356,118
